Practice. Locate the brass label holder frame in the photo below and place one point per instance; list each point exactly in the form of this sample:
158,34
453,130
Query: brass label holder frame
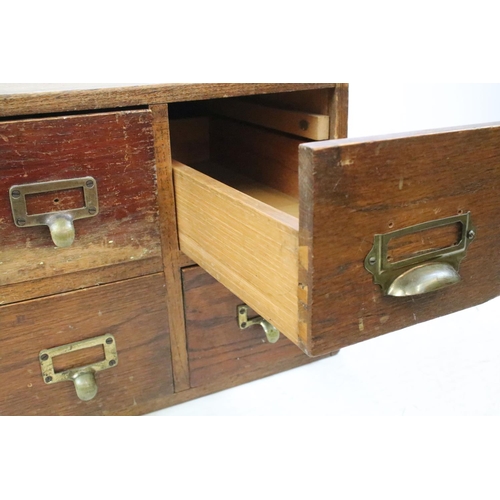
60,223
83,377
422,273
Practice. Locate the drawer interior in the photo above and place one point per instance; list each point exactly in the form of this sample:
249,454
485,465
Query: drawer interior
236,167
287,223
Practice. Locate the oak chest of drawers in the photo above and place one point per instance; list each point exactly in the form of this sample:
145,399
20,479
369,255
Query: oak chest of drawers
164,242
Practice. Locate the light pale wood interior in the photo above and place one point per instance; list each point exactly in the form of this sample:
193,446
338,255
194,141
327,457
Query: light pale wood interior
247,245
236,184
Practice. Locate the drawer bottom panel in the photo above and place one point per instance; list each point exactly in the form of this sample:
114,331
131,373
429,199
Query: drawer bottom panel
133,312
219,352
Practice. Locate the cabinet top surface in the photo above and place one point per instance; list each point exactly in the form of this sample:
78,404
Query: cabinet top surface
37,98
33,88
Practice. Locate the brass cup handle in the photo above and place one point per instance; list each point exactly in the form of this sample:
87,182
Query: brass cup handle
61,223
422,279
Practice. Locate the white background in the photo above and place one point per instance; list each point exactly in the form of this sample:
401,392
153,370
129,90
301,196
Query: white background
449,366
426,371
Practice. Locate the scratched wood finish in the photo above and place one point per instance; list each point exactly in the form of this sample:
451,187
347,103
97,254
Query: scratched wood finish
133,311
18,100
117,149
170,244
354,189
78,280
218,349
339,111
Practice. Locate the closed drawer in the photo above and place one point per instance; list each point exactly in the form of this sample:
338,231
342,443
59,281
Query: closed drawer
133,313
219,352
296,244
100,167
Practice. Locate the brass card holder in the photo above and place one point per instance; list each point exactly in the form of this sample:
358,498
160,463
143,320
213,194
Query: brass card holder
84,377
272,334
422,273
61,225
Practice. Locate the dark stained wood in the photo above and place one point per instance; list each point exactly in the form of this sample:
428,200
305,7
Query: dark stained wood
18,101
133,311
55,201
354,189
309,101
170,245
218,349
422,242
79,280
75,360
190,140
339,111
115,148
263,155
185,261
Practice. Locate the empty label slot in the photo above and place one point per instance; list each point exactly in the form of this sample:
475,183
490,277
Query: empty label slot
79,359
55,201
411,245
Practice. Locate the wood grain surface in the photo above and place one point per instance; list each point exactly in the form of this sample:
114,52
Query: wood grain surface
133,311
339,111
17,99
309,101
247,245
170,244
218,349
307,125
117,149
263,155
354,189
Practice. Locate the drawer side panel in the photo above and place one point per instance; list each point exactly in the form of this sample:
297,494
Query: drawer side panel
250,247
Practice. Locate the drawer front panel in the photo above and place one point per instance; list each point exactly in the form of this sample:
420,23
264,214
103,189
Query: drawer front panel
115,149
132,312
219,352
354,190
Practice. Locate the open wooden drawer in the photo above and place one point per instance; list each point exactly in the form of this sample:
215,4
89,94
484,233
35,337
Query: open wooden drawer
291,228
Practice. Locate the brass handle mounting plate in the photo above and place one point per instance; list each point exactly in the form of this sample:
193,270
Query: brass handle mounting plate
422,273
83,377
60,223
272,334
